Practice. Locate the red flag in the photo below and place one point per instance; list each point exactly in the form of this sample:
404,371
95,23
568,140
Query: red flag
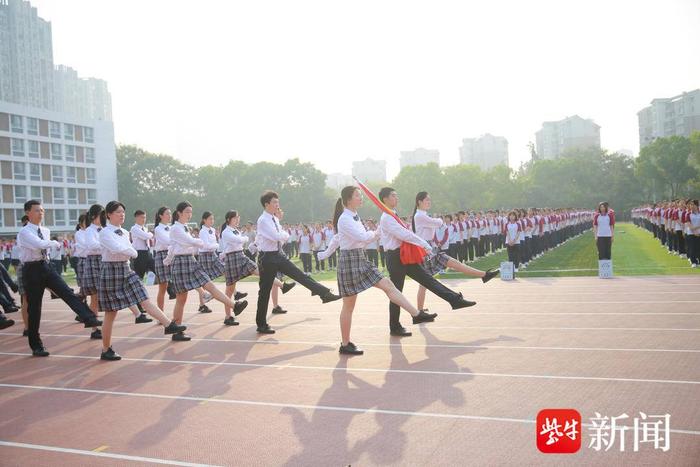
410,253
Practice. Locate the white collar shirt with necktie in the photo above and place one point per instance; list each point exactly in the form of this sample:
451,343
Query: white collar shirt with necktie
33,241
270,236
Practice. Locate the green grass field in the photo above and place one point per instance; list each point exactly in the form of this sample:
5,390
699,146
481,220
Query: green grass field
635,253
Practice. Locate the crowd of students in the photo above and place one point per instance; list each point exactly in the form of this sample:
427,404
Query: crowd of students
675,224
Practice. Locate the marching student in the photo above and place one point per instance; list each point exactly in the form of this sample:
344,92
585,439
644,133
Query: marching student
38,275
355,273
161,233
424,226
140,240
328,233
24,305
238,266
318,244
208,257
693,233
392,234
271,260
119,286
513,232
185,272
604,228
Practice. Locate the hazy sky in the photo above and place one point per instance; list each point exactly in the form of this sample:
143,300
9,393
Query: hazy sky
331,82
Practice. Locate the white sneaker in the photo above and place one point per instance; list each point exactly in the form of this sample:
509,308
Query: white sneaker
207,297
693,265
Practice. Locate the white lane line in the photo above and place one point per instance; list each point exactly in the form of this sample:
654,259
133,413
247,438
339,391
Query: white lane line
367,370
108,455
379,326
335,408
333,345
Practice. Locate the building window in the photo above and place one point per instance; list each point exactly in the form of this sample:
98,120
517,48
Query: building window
58,195
56,151
16,124
70,152
33,147
59,217
32,126
36,192
90,155
35,172
70,174
1,222
57,173
68,131
89,134
55,129
91,196
19,214
72,196
73,216
17,147
20,171
90,176
20,194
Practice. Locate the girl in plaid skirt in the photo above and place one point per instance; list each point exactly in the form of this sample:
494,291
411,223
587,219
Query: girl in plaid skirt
238,266
119,286
207,256
185,272
355,272
425,226
161,234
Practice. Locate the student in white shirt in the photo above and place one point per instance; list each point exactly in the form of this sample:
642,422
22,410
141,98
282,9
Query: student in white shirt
693,224
140,240
513,231
161,236
329,233
119,286
355,273
424,226
238,266
208,257
318,244
604,228
305,250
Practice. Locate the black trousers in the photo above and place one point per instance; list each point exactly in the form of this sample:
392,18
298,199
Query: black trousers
38,276
269,264
471,248
513,252
333,260
306,262
693,242
143,263
604,245
320,265
398,273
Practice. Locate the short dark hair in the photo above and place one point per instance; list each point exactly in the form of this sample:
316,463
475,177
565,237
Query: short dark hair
139,212
385,192
267,197
32,202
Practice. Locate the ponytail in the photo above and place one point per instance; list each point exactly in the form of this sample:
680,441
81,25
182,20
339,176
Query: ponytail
419,197
229,215
345,196
339,208
205,216
181,206
159,213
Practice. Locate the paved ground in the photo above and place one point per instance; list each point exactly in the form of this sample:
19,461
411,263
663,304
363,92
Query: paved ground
464,390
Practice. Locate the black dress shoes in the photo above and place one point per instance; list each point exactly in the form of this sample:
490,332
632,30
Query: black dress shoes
231,321
110,355
96,334
287,286
174,328
350,349
143,318
278,310
329,297
462,303
490,274
92,322
238,307
265,330
204,309
240,295
423,317
6,322
40,352
181,337
400,332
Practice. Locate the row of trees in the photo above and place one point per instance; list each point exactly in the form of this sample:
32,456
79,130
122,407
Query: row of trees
667,168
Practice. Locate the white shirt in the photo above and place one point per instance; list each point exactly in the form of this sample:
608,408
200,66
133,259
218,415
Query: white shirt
270,234
393,233
181,242
116,247
140,237
604,229
426,225
31,247
55,252
92,240
512,232
232,240
208,237
79,245
318,240
162,236
352,234
305,244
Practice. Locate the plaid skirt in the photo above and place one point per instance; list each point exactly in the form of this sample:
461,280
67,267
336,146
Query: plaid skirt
162,271
436,263
238,266
90,274
119,287
187,274
355,272
211,264
20,282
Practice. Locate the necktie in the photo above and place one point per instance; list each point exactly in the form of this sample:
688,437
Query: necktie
44,255
99,229
119,232
356,217
279,244
167,228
